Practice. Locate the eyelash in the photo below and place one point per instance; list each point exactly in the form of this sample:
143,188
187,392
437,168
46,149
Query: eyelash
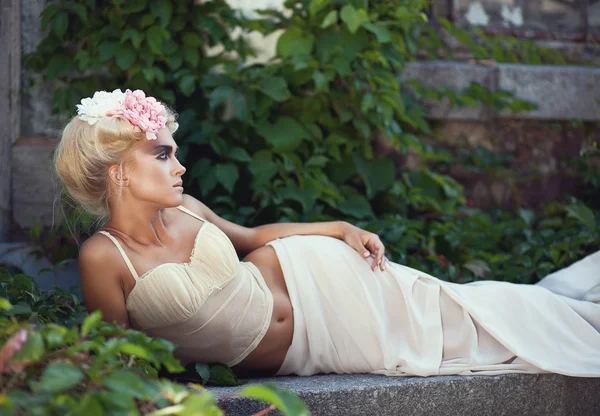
160,157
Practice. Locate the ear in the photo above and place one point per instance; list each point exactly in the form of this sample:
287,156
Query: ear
118,175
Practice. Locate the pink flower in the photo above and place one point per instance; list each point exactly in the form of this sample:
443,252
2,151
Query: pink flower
144,113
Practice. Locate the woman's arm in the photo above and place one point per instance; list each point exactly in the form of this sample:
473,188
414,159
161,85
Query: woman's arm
100,281
245,240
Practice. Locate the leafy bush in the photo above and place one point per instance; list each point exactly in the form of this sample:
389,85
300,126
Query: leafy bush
63,361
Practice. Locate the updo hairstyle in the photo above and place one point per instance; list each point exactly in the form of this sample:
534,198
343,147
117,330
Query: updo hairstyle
85,152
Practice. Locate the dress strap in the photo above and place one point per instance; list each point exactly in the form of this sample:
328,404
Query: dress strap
193,214
127,261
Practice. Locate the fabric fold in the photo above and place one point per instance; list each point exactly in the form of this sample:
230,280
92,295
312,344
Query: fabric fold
403,322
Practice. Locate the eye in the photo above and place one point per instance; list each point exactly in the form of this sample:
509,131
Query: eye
163,156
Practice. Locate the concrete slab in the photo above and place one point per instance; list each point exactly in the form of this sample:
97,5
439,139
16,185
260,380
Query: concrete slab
360,394
559,91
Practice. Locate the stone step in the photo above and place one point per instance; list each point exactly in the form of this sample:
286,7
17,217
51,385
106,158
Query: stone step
361,394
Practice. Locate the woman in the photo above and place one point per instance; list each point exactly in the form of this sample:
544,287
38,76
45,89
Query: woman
306,298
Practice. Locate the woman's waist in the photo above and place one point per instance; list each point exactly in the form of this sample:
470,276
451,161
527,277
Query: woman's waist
266,261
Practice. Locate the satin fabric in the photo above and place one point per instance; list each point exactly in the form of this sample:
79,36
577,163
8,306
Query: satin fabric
403,322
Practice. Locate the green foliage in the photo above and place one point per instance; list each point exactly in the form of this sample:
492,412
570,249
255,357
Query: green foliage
67,362
501,49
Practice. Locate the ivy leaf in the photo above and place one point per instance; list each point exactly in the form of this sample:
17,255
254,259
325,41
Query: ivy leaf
91,322
285,401
82,58
163,10
317,160
240,106
21,308
275,87
154,37
285,135
133,349
227,175
57,65
221,375
295,42
135,36
316,6
125,57
90,405
59,376
219,95
357,206
381,32
5,304
60,23
330,19
191,55
203,370
583,214
107,50
353,18
192,40
378,175
187,84
126,382
306,196
78,9
262,167
239,154
134,6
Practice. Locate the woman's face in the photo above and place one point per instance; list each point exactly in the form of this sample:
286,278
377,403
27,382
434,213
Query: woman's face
155,175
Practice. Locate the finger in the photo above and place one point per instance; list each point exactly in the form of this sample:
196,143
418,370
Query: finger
382,261
363,250
380,256
375,263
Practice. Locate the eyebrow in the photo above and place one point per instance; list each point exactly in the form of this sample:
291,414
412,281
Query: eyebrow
164,147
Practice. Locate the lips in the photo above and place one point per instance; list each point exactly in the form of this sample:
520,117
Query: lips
180,183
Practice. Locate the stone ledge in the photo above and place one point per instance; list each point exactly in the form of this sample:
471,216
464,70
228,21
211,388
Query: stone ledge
361,394
561,92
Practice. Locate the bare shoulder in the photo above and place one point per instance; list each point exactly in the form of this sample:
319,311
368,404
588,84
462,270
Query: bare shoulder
101,271
98,250
197,207
99,253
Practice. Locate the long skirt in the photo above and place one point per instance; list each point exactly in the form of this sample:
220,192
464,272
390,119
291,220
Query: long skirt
404,322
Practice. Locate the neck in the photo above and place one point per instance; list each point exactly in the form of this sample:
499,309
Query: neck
139,221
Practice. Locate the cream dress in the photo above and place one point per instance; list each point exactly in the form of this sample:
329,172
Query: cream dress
403,322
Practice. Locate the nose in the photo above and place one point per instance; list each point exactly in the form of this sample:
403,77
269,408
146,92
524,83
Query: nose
179,168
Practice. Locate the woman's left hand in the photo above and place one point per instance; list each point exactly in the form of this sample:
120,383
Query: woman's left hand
366,243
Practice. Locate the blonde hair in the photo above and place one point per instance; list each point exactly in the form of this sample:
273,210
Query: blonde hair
85,152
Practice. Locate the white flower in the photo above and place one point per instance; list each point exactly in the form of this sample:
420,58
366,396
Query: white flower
476,15
94,108
512,16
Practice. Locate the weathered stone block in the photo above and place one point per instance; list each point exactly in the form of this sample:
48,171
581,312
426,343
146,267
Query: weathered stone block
560,92
34,187
361,394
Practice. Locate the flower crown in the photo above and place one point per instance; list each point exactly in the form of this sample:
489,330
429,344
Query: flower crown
146,114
